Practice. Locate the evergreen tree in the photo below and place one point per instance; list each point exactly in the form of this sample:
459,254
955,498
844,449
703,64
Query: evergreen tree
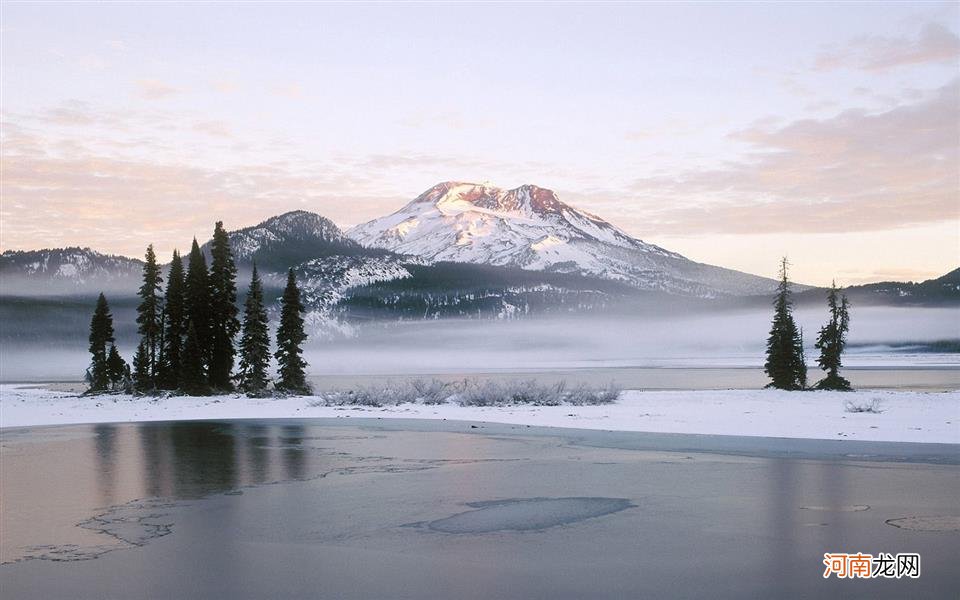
255,340
148,317
290,338
196,305
832,341
193,371
173,317
142,380
116,368
784,364
101,334
801,362
223,309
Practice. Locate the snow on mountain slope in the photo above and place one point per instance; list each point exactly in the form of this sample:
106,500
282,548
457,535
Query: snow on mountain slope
289,239
530,228
324,282
66,271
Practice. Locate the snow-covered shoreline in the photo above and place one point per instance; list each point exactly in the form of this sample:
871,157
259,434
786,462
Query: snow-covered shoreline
906,417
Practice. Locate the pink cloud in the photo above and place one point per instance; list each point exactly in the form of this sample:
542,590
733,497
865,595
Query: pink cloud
934,44
152,89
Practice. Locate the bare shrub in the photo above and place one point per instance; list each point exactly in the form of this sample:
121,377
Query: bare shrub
360,396
390,394
469,393
872,405
492,393
433,391
583,395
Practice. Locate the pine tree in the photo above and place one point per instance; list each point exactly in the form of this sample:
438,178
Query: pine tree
832,341
784,364
142,380
223,309
117,369
801,362
193,372
101,334
196,305
148,317
290,338
173,317
255,340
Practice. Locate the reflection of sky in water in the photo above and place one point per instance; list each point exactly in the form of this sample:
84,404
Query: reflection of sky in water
499,514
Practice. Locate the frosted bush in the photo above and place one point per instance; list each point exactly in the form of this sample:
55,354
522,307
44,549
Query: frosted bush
433,391
582,395
469,393
864,406
492,393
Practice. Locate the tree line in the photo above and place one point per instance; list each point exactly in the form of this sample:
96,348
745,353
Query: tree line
188,331
786,363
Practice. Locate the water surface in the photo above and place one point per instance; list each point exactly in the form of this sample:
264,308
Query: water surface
252,509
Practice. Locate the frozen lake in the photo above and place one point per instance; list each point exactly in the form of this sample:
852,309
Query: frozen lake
316,508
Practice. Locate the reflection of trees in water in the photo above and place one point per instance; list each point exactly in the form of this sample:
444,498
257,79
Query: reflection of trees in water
203,458
105,451
155,457
191,459
796,533
784,502
294,461
256,458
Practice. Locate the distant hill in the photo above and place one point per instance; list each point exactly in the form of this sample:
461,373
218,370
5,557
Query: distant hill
60,271
290,239
944,290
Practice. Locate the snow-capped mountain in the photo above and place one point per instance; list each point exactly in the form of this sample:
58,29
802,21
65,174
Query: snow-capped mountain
325,282
530,228
65,271
289,239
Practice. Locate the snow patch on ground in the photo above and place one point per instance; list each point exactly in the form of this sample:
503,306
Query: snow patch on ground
906,417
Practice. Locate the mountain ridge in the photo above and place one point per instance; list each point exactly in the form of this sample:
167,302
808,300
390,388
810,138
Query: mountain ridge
289,239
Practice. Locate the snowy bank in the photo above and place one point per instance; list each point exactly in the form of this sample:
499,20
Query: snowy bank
905,416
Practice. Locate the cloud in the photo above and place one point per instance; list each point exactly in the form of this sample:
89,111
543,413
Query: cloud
71,112
639,135
289,90
120,205
81,174
934,44
214,128
856,171
225,86
152,89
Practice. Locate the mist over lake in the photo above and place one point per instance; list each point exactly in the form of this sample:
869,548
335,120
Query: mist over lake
881,337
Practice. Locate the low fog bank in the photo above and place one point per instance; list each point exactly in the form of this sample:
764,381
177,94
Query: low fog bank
734,339
720,340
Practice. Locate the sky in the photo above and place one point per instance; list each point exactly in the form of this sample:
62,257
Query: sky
731,133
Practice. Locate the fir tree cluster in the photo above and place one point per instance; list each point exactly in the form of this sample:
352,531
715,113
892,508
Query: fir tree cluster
832,340
188,331
786,363
108,371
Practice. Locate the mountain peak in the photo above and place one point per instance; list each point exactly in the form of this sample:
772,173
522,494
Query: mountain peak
301,218
287,239
531,228
457,196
